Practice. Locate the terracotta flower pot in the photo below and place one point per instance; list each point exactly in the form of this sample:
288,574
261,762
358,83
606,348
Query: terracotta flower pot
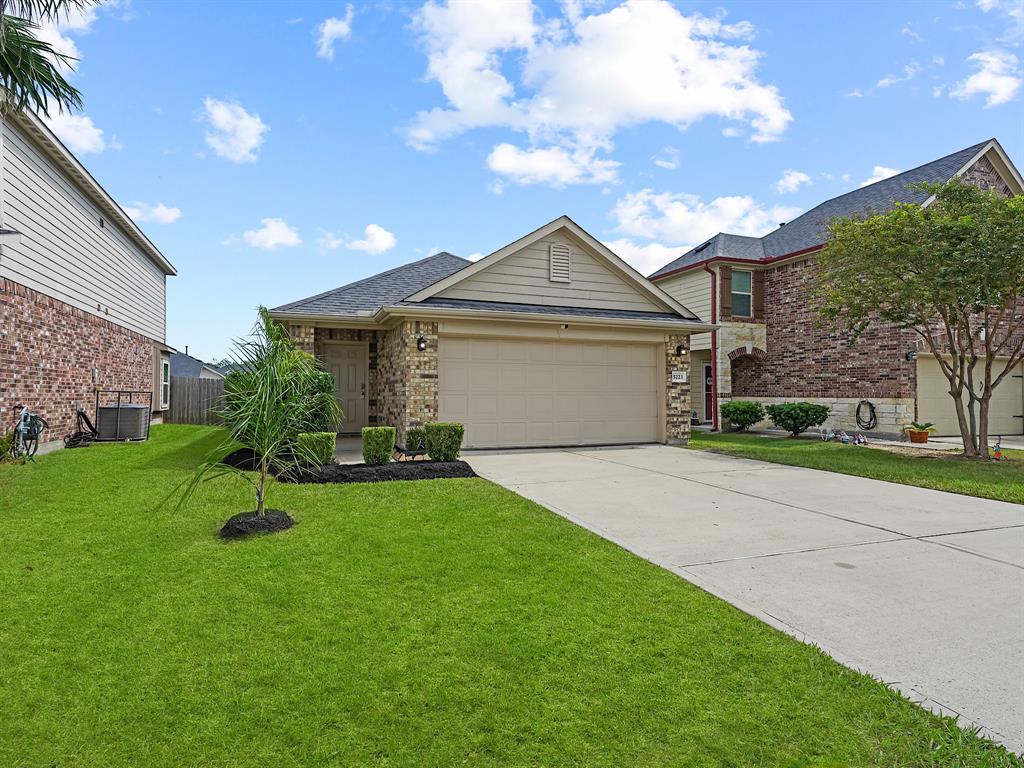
918,436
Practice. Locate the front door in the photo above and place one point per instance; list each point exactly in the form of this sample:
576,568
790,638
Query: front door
348,365
708,404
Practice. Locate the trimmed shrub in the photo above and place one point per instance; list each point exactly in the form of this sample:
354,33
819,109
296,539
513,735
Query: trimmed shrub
378,444
324,417
315,448
415,439
797,417
742,414
444,440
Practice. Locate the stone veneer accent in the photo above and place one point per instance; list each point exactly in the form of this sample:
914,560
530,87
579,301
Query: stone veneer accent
677,395
47,349
983,174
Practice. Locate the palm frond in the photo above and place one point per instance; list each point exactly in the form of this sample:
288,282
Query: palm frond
49,10
30,73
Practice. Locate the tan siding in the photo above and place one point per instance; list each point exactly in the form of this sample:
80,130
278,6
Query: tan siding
693,291
523,278
64,253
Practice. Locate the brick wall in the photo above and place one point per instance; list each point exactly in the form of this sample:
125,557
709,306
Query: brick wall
983,174
407,377
370,338
807,360
47,349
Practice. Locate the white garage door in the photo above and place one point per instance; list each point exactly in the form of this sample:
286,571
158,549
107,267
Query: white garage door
511,393
934,404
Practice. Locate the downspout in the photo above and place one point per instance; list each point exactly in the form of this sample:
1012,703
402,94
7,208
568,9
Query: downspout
714,348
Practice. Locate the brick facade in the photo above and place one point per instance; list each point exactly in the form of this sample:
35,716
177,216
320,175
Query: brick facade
809,360
47,351
983,174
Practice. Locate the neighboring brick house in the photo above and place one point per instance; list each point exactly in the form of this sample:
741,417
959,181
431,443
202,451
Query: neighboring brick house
770,345
551,340
82,290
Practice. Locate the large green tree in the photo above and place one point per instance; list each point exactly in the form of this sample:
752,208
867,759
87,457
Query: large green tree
31,69
951,271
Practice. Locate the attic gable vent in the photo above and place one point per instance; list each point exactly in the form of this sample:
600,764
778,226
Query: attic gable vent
561,263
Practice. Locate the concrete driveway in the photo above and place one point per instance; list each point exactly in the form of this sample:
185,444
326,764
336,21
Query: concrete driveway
920,588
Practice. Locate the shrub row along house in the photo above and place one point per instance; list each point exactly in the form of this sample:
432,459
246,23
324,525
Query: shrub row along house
769,345
82,289
551,340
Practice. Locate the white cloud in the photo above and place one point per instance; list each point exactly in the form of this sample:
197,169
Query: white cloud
791,181
556,166
580,78
856,93
275,233
731,131
909,31
1012,12
474,257
375,240
878,173
332,30
647,258
235,134
685,218
77,131
998,78
158,214
909,73
938,61
667,158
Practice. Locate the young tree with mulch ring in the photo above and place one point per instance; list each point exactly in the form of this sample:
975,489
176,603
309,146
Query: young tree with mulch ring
952,271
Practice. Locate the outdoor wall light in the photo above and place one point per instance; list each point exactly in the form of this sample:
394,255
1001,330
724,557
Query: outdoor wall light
679,350
421,343
911,356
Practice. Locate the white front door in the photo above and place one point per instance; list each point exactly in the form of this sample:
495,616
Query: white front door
348,365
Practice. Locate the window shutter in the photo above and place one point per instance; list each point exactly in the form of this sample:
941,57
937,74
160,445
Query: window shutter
725,278
759,295
561,263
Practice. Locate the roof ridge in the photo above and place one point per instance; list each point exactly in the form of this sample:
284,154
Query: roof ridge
301,302
894,176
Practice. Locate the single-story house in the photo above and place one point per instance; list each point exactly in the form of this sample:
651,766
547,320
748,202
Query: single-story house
552,340
769,345
83,291
186,366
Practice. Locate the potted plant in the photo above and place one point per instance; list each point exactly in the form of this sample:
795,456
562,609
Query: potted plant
918,432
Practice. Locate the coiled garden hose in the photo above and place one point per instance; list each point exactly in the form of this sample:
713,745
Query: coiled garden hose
872,420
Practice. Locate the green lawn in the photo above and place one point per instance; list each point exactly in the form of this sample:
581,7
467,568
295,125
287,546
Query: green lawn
990,480
436,623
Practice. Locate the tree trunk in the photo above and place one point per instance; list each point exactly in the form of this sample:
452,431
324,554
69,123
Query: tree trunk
966,431
983,426
260,490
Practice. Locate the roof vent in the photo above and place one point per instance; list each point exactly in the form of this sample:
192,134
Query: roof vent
560,263
782,223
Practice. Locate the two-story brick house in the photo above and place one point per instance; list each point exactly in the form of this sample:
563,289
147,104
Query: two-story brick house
82,289
770,346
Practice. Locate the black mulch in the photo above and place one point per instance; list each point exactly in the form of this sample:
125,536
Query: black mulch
249,524
396,470
247,459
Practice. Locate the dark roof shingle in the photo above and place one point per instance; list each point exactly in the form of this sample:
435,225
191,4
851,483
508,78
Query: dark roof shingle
809,229
502,306
364,297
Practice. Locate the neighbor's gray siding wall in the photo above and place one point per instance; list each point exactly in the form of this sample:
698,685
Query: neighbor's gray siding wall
64,253
692,290
523,277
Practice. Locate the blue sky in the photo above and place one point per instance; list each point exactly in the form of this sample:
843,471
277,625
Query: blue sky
273,151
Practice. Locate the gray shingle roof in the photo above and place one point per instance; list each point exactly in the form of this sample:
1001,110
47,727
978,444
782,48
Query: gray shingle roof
364,297
808,229
501,306
188,366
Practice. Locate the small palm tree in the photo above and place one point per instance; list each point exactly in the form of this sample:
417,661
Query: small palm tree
274,394
30,68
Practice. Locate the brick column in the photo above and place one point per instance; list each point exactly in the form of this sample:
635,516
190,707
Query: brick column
303,336
421,381
677,394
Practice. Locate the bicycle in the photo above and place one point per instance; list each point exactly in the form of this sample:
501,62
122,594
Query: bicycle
27,431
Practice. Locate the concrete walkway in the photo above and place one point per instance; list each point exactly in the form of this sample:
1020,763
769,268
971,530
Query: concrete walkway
920,588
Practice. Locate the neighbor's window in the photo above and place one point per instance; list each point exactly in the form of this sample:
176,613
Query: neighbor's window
165,384
742,293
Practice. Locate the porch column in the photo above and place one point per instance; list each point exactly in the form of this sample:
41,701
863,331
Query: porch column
303,337
677,393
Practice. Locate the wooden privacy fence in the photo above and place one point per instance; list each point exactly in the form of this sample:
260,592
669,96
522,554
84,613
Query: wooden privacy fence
193,400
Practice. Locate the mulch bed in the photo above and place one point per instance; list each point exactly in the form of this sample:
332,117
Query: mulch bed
364,473
248,460
250,523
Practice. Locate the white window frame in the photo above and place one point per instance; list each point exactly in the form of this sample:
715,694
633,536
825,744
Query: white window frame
165,384
734,293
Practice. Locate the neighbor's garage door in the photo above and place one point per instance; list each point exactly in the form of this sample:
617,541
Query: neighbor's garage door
935,404
511,393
